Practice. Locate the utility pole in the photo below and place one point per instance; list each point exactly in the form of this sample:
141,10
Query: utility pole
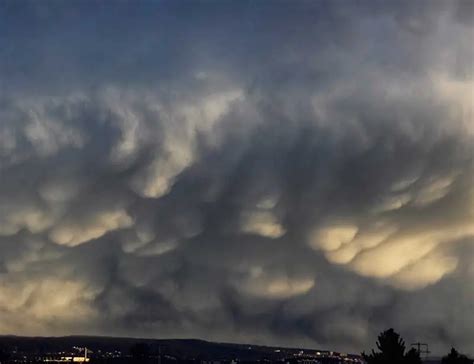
422,348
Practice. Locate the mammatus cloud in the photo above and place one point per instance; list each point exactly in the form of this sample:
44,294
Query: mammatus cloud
72,233
303,176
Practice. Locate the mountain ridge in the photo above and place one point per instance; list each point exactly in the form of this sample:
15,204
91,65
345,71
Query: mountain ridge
183,348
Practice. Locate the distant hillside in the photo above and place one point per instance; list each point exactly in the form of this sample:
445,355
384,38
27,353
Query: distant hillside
181,348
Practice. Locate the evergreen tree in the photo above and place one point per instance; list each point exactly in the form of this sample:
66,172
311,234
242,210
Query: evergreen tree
412,357
392,351
455,358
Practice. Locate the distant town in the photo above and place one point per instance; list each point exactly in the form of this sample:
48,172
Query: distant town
78,349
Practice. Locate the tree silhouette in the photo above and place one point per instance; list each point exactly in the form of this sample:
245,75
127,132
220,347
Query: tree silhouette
392,350
455,358
412,357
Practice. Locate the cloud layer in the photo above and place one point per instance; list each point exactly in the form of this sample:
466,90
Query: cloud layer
286,173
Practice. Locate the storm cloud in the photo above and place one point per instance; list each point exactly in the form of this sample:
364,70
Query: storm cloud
296,173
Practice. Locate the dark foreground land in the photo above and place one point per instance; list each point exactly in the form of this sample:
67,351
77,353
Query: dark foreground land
14,349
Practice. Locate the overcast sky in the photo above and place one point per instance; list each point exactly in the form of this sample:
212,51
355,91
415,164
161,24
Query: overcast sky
275,172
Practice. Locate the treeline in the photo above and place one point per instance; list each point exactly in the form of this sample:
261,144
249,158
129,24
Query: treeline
392,350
